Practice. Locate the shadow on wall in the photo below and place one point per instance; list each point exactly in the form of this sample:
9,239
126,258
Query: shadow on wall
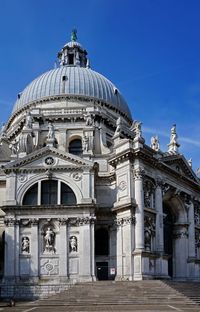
19,280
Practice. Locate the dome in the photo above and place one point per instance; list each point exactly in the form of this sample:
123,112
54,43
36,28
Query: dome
72,80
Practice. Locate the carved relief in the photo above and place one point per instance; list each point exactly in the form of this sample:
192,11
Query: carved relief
76,176
49,161
49,266
122,185
22,177
73,245
25,245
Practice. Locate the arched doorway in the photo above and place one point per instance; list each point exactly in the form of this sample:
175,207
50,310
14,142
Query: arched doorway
175,236
101,253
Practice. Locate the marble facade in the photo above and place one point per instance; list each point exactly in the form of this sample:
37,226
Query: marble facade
84,197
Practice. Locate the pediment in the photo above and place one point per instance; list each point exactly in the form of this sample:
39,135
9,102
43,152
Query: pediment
49,158
179,164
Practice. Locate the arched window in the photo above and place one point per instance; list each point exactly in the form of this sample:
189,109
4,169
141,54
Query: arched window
49,192
52,192
31,195
67,195
75,147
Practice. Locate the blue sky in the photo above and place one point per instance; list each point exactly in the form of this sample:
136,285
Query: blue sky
149,48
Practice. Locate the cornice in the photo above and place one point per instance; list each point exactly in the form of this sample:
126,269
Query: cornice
17,209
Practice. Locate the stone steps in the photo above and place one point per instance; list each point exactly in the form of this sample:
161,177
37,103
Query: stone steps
120,293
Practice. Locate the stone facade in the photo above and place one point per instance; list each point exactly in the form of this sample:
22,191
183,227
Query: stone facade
83,196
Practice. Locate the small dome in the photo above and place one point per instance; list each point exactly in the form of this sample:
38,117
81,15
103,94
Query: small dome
76,81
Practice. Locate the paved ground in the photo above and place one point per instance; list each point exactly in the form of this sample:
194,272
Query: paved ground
103,308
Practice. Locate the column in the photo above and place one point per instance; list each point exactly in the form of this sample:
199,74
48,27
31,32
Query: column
9,261
139,211
159,217
92,248
120,272
191,230
63,247
17,248
34,248
85,249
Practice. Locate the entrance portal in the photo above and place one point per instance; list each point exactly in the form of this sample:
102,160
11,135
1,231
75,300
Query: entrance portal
102,271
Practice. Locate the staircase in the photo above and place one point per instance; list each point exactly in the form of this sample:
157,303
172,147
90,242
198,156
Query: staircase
148,295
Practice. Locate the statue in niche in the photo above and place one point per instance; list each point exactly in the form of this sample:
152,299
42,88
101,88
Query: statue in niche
28,121
49,240
85,143
51,133
149,232
25,245
73,244
155,143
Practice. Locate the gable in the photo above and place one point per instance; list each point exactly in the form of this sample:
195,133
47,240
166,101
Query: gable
49,157
179,164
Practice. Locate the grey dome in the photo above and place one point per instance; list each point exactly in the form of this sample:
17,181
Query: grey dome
79,81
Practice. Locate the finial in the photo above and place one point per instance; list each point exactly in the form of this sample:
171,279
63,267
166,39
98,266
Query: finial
74,35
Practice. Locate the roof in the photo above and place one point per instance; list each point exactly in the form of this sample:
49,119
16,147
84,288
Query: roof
79,81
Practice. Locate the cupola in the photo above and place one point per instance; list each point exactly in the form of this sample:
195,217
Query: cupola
73,54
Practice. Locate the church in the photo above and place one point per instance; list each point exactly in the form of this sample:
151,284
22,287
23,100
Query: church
83,197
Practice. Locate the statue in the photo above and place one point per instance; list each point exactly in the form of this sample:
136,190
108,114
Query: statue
3,131
190,162
49,239
118,125
89,119
136,127
149,232
173,144
14,147
25,245
74,35
51,133
28,121
85,143
73,243
155,143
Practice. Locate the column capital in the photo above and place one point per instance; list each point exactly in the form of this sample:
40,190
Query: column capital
159,182
63,221
125,221
34,222
138,173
